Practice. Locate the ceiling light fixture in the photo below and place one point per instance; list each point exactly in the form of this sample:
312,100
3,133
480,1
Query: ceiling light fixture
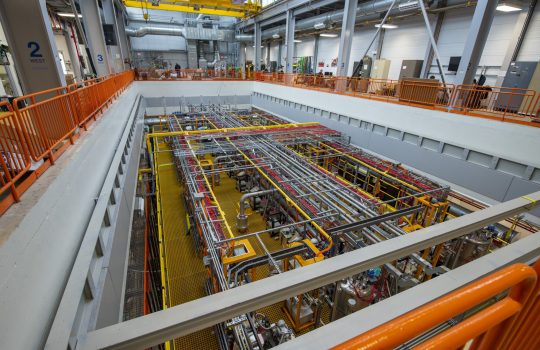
387,26
505,6
275,36
297,41
67,14
328,35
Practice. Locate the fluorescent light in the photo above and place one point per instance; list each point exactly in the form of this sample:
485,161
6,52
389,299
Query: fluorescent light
320,25
67,14
387,26
275,36
505,7
328,35
297,41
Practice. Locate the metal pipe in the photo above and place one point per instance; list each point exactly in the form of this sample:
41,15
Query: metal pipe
152,30
242,219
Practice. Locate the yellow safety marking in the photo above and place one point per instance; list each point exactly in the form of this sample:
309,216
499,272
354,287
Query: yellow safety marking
533,201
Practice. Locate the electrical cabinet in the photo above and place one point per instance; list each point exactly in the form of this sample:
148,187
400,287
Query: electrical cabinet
519,76
410,69
362,68
380,69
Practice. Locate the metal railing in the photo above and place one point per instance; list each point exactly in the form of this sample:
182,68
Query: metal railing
513,105
37,128
493,327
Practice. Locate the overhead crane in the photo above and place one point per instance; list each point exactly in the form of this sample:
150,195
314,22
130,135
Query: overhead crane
263,196
229,8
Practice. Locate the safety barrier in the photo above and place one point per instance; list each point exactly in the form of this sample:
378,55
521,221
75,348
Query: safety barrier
504,310
37,128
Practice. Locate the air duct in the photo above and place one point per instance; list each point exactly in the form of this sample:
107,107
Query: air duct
151,30
367,11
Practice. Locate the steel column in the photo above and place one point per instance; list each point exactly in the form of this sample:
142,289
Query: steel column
257,43
31,42
345,40
315,53
476,40
289,41
116,58
187,318
123,39
280,53
94,34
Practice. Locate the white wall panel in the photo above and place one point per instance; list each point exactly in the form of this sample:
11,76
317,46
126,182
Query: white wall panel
408,42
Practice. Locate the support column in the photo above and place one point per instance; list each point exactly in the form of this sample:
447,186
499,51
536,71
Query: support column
280,52
428,56
242,59
116,59
518,34
289,41
476,40
315,53
94,34
257,51
345,41
73,53
31,42
122,36
268,56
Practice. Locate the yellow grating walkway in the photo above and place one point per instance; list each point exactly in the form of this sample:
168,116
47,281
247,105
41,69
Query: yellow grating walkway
185,272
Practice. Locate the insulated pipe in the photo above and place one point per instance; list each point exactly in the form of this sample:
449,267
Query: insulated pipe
365,12
151,30
241,219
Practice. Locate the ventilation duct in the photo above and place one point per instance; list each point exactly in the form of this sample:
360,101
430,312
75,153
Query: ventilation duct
151,30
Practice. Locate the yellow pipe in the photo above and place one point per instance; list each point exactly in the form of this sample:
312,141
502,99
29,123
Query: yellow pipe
231,235
245,128
290,201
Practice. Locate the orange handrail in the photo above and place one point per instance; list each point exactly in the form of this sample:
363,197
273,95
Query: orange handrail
14,158
42,125
488,323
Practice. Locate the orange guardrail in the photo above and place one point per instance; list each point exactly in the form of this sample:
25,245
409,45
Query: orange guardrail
14,158
38,127
496,326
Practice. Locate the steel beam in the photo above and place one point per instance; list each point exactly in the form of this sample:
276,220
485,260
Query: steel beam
289,41
345,40
257,49
476,40
380,43
428,57
146,331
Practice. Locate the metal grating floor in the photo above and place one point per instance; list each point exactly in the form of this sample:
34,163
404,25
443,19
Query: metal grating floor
185,271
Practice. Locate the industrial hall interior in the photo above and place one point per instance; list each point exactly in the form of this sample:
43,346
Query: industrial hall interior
269,174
